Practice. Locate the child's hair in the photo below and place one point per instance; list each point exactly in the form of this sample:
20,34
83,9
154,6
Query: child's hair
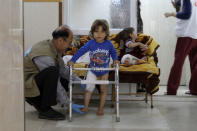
96,24
125,33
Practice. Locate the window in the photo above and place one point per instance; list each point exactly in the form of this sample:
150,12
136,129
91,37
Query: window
80,14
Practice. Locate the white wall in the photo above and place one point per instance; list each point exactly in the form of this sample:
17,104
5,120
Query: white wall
155,24
40,19
162,30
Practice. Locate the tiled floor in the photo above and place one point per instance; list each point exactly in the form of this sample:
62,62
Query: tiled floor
170,113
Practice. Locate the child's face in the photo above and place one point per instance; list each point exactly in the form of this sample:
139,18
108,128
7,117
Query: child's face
99,34
133,36
127,62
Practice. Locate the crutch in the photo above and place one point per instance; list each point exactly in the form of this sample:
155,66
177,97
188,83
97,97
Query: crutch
116,82
117,92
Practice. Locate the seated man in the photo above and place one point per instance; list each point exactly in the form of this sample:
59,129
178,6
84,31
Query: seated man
45,74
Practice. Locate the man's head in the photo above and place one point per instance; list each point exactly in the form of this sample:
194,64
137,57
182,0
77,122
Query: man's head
62,38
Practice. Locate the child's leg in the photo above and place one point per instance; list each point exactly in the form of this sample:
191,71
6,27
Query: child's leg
88,95
89,90
103,95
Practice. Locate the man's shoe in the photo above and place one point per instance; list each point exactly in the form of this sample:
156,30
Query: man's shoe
29,101
51,114
190,93
141,90
169,93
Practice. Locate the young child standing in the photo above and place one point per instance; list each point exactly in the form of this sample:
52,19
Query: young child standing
100,51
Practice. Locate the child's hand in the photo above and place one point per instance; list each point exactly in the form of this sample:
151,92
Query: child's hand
140,61
70,63
115,62
145,58
126,64
143,47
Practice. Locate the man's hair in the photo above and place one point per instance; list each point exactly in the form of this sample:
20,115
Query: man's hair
96,24
62,31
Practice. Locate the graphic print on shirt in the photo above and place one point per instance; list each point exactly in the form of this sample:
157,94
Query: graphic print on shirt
99,57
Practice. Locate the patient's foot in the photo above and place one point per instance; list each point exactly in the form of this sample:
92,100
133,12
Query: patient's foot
100,113
84,109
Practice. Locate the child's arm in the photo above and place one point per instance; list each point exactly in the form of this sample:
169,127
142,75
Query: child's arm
131,44
114,55
135,44
113,52
79,53
142,60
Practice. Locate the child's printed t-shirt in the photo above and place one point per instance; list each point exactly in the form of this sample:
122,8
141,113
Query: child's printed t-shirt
100,54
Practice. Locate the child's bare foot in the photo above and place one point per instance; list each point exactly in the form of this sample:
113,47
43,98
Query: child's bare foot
99,113
84,109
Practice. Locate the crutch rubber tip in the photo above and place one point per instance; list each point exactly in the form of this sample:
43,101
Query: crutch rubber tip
112,105
152,106
70,119
117,119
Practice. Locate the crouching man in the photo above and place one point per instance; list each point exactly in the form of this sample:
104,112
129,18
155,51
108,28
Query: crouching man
45,74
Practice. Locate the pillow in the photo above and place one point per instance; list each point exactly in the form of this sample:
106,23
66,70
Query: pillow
115,43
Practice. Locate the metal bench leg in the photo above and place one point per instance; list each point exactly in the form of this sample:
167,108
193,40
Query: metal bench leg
151,97
113,96
146,97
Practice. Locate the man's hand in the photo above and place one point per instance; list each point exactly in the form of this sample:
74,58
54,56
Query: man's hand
83,86
167,14
76,108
